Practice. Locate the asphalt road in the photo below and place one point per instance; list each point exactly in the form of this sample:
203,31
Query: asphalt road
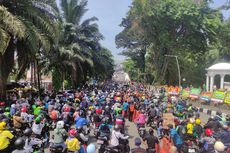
133,133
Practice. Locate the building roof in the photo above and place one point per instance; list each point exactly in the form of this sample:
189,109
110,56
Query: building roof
220,66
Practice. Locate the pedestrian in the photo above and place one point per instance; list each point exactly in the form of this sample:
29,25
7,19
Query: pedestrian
131,111
151,142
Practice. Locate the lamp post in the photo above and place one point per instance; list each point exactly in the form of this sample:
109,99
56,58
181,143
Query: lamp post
178,67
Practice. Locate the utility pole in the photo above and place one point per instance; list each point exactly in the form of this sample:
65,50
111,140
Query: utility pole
178,67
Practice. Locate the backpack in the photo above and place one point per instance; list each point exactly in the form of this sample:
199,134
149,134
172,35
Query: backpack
131,108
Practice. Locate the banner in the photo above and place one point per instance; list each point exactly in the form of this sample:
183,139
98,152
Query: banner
227,98
218,96
206,96
185,93
173,90
194,93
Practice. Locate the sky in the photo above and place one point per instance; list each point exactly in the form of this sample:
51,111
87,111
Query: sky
110,14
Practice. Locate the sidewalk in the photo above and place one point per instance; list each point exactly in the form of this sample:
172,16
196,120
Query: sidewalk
211,109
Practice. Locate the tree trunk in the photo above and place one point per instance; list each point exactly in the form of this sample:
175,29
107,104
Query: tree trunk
74,75
6,66
38,76
2,80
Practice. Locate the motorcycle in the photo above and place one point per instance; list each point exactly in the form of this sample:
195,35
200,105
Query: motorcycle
112,149
102,142
141,130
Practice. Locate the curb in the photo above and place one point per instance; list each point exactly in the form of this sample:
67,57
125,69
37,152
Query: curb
210,112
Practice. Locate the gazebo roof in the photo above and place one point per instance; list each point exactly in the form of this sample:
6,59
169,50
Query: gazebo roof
220,66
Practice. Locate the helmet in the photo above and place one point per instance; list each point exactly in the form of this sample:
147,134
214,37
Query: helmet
98,111
2,103
60,124
28,132
208,132
142,111
91,148
79,129
37,120
7,109
66,109
105,120
219,146
19,143
2,125
198,121
81,112
116,128
72,132
23,109
151,131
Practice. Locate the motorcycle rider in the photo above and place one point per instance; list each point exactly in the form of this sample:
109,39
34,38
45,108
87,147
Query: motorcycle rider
19,145
72,143
37,127
116,135
59,135
198,129
141,118
138,149
17,120
176,139
105,127
5,137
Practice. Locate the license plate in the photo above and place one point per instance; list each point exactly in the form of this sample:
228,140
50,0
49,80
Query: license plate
191,150
100,142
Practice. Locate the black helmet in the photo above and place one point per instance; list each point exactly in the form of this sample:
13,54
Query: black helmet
151,131
19,143
79,129
81,113
28,132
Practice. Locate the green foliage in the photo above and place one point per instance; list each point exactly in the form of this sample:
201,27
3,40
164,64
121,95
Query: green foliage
57,80
153,29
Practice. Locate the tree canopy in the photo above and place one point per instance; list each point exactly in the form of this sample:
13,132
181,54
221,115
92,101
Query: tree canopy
188,29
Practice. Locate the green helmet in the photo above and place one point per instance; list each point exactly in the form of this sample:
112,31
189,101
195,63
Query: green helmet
7,109
37,120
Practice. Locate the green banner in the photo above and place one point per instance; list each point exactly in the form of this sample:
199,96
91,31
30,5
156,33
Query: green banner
185,93
227,98
195,92
218,96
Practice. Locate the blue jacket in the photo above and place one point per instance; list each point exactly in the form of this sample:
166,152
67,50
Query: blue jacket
176,137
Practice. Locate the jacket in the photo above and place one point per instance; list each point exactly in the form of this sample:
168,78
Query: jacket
17,121
72,144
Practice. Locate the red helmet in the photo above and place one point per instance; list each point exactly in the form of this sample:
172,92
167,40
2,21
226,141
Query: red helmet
98,111
2,103
23,110
72,132
66,109
208,132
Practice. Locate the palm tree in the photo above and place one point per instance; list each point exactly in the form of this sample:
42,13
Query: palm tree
80,39
28,28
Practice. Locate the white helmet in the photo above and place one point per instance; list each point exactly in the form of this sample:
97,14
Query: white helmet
219,146
60,124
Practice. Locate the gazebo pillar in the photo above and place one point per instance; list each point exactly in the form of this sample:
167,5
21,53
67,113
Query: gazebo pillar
222,81
211,83
207,82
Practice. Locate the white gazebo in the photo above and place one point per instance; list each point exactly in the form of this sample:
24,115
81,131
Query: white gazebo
221,69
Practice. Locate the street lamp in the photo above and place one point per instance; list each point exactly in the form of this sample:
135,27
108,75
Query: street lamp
178,67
